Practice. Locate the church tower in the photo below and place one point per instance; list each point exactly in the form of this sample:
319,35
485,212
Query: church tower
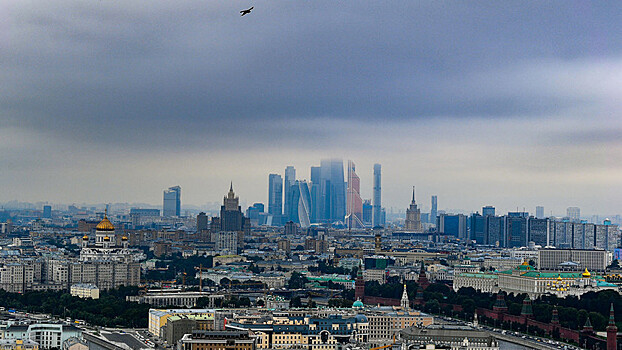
405,303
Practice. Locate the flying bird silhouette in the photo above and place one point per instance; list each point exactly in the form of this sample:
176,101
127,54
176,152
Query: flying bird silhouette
246,12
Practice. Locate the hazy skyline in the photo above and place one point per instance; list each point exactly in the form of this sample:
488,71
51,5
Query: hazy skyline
508,103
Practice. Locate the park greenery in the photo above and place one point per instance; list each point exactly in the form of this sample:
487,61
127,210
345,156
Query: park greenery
110,310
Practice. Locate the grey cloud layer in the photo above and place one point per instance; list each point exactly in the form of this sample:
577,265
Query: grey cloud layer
186,76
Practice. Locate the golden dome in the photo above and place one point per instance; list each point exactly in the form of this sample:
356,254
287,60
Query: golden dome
124,238
85,237
559,277
586,274
106,238
105,225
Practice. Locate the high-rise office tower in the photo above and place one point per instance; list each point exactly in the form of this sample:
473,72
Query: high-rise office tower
488,210
539,212
300,208
477,228
434,209
47,211
516,231
495,230
290,178
315,193
413,216
367,212
354,203
172,202
332,191
275,194
376,212
574,213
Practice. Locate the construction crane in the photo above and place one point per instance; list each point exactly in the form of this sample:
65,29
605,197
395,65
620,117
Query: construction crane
200,268
385,346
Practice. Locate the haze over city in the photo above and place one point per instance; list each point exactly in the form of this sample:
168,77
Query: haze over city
513,104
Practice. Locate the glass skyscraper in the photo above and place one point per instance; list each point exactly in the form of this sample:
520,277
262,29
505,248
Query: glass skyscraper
376,211
332,191
275,194
172,202
354,203
434,210
290,178
315,193
300,200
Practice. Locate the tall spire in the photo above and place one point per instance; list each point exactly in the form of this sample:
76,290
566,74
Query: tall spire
587,328
231,188
612,331
405,303
413,194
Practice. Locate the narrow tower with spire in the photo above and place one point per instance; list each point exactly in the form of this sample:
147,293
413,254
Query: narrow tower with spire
413,216
612,331
405,303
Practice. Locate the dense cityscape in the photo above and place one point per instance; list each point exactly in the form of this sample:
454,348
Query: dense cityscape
310,175
321,268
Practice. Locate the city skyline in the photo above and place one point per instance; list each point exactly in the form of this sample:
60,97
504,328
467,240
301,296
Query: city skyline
503,104
533,211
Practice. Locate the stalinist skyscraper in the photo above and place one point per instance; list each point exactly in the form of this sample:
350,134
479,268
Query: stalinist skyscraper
413,216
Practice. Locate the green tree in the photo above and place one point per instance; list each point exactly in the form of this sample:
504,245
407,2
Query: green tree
295,302
297,281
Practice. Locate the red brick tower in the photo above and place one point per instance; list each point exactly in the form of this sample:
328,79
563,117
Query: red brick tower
359,285
612,331
423,278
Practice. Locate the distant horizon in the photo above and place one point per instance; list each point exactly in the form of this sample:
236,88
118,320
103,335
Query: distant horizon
246,204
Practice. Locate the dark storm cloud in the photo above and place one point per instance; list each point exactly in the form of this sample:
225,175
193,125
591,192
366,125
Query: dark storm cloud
194,72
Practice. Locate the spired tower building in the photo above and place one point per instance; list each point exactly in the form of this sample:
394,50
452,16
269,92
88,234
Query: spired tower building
405,303
413,216
231,219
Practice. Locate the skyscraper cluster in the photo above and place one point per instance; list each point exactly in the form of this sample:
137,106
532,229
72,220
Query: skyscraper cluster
517,229
326,198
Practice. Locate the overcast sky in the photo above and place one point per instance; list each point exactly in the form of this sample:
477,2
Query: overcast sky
508,103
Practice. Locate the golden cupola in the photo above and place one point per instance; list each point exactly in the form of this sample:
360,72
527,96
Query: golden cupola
105,224
586,274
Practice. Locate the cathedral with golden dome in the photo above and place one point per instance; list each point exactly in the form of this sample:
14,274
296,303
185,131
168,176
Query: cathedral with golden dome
105,247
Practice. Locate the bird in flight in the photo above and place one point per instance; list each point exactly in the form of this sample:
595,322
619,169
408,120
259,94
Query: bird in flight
246,12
